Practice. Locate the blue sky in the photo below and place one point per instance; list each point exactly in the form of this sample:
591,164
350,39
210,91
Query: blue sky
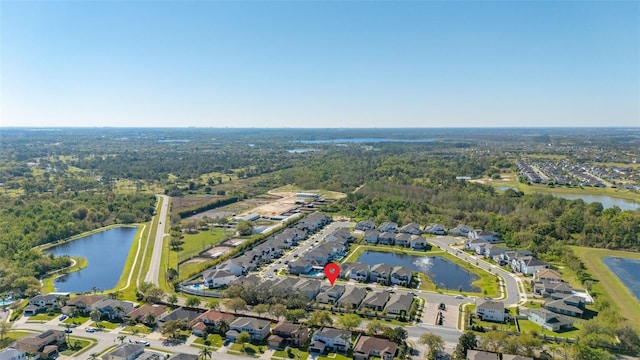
320,64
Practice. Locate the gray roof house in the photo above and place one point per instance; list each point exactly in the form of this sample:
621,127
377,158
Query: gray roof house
403,239
300,266
330,339
549,320
460,230
411,228
356,271
418,243
127,351
388,226
258,329
365,225
399,304
371,236
386,238
352,297
380,273
401,275
375,300
436,229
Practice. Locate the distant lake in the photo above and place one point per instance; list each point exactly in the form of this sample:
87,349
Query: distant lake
362,141
442,272
628,271
106,253
300,151
606,201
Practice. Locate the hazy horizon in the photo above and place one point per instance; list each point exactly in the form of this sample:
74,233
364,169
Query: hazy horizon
320,64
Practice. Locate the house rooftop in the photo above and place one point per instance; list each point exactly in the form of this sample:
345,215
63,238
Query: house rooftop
366,344
328,332
127,349
250,322
493,305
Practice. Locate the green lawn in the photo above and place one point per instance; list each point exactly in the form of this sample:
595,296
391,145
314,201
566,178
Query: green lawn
14,335
138,329
105,325
607,284
527,326
249,350
41,317
76,320
78,345
334,356
215,340
194,244
295,354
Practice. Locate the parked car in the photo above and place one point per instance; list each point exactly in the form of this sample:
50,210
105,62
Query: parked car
143,342
459,297
90,330
68,331
62,317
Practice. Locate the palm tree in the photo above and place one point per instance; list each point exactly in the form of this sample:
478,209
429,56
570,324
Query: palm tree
121,338
95,289
95,315
150,319
205,353
5,327
93,356
118,310
223,327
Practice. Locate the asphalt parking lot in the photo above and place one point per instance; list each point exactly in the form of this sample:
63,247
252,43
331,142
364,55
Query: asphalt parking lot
449,315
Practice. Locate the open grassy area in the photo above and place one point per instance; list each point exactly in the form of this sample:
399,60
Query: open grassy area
194,244
248,350
105,325
527,327
14,335
136,329
607,284
41,317
334,356
77,346
214,340
138,241
295,354
79,320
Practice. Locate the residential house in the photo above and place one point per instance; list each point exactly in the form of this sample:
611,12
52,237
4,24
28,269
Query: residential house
549,275
365,225
292,334
435,229
418,243
330,339
329,294
371,236
335,249
309,288
399,304
529,265
114,309
550,320
45,344
491,311
549,288
380,273
352,297
300,266
126,351
318,256
569,305
13,354
179,314
480,249
411,228
368,346
472,244
489,236
217,278
85,303
209,320
146,312
356,271
481,355
387,238
403,239
47,301
233,267
375,300
492,250
388,226
401,275
341,234
460,230
257,328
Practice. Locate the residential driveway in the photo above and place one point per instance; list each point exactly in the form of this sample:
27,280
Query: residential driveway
450,315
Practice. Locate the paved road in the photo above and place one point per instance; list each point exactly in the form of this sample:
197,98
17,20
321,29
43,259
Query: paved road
513,295
154,267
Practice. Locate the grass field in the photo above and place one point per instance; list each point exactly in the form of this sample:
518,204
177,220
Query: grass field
249,350
194,244
215,341
79,346
296,354
137,329
607,284
105,325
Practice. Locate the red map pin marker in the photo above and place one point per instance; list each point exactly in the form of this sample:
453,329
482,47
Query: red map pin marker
332,271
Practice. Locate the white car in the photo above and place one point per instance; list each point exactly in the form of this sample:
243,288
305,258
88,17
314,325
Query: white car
143,342
459,297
